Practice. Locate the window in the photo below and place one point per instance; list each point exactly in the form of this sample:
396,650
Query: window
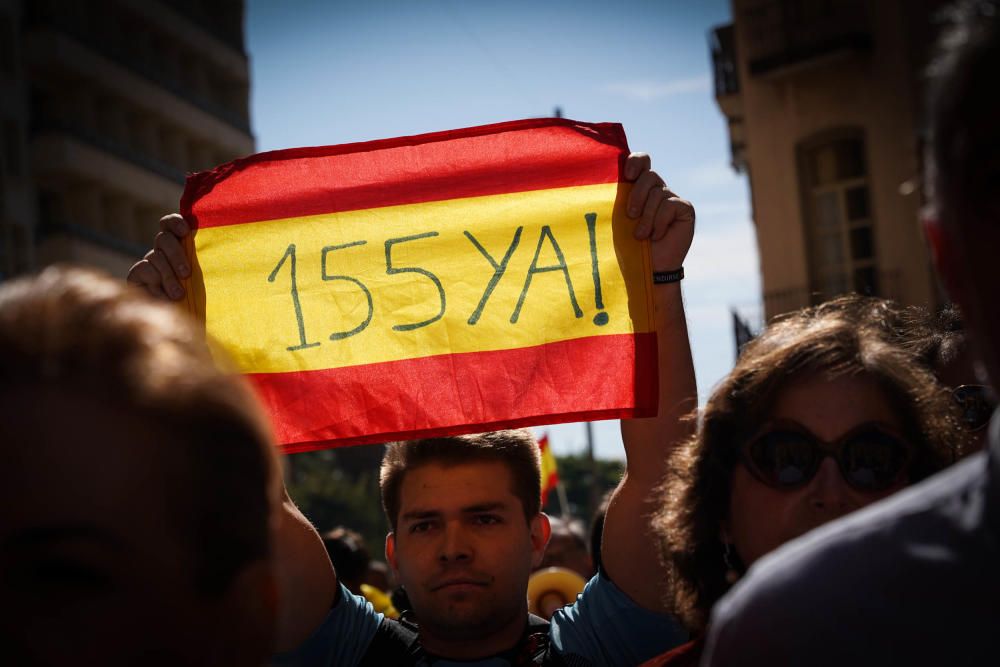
838,217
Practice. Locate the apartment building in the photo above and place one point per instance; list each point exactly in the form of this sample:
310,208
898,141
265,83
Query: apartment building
106,104
823,102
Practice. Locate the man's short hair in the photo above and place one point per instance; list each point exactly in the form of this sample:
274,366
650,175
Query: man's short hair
80,332
517,449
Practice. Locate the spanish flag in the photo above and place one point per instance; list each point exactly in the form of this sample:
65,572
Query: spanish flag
445,283
550,471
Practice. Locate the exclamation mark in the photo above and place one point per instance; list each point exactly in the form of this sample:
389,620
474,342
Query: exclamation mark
601,318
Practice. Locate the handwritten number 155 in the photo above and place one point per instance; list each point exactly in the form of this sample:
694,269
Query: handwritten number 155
545,236
390,269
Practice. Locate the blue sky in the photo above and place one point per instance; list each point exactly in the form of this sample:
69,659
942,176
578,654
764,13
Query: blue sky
336,72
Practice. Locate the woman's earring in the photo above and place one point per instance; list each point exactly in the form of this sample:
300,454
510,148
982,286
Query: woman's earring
728,557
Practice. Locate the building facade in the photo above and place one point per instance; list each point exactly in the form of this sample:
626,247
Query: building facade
106,104
823,102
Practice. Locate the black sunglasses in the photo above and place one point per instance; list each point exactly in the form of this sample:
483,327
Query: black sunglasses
976,404
870,457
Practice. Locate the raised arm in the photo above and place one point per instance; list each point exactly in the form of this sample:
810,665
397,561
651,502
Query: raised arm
308,583
629,554
306,579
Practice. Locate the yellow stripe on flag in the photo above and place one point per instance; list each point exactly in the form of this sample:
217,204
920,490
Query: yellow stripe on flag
486,273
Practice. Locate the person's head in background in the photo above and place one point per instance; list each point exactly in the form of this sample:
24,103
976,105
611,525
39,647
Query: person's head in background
568,548
940,342
962,222
137,483
380,576
821,415
349,556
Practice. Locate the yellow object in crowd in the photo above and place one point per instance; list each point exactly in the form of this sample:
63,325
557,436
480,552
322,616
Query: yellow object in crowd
551,589
380,600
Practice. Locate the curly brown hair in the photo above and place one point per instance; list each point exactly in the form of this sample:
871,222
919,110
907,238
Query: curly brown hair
836,340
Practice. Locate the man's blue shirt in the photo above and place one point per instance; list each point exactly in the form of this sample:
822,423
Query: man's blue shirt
603,627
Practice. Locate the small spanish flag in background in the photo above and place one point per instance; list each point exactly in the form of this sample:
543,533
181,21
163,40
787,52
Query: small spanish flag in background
445,283
550,471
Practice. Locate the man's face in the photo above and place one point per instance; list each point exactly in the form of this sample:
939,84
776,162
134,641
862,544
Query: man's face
462,548
96,561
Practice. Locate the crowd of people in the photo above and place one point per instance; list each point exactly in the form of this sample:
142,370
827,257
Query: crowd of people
835,501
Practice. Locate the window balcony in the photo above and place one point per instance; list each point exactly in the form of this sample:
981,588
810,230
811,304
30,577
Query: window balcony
42,125
50,227
224,20
114,48
885,284
786,300
786,35
725,66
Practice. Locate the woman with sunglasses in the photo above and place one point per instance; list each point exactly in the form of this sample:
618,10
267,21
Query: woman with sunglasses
821,416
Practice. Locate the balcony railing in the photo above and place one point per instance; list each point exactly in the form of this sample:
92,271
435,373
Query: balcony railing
777,302
784,33
42,15
41,125
725,67
781,301
224,21
48,227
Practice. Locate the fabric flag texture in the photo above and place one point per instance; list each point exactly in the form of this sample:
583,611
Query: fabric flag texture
550,471
445,283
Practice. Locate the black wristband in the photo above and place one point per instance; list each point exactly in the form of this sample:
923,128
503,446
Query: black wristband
664,277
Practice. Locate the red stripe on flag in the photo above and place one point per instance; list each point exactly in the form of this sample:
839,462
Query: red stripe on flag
518,156
544,384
